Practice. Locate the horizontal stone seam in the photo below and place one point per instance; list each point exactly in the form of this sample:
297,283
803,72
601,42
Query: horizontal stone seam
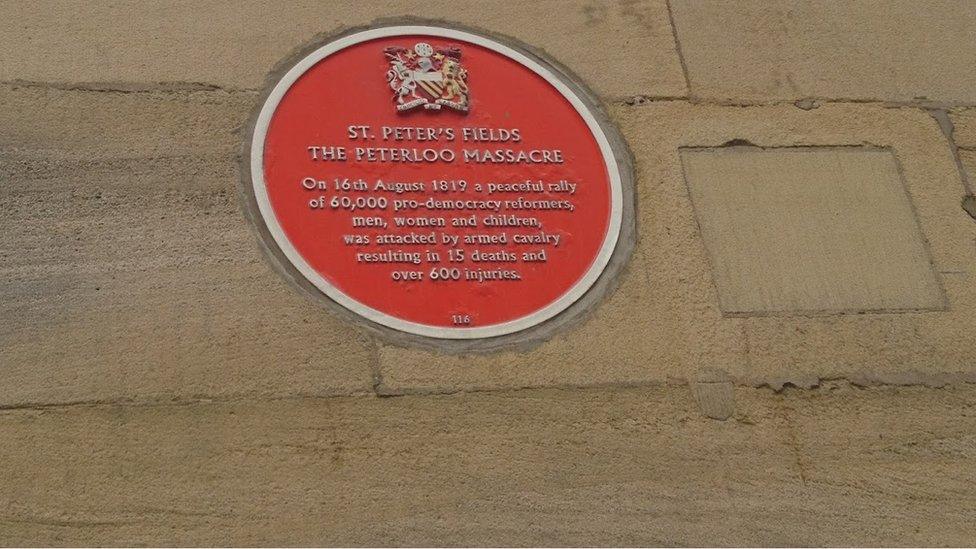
139,516
31,157
128,87
445,391
928,381
777,387
640,100
175,401
932,381
177,87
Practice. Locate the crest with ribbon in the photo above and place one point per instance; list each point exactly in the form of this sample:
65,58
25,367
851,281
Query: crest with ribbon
428,78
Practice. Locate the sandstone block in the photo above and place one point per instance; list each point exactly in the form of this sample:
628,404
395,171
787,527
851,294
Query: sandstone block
130,272
793,49
621,49
634,467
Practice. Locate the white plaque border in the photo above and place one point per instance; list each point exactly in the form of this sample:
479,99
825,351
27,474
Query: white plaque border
572,295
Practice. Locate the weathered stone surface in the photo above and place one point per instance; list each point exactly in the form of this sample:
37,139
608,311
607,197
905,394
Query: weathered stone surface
964,126
620,49
792,49
716,400
809,230
634,467
968,159
129,270
132,283
112,125
129,261
969,205
664,321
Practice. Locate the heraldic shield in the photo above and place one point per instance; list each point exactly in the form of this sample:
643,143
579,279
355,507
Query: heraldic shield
426,77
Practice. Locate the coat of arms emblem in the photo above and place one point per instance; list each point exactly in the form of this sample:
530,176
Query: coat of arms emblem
426,77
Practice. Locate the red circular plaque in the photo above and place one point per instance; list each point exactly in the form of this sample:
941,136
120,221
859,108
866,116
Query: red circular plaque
436,182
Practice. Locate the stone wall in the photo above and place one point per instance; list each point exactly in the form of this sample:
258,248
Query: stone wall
162,384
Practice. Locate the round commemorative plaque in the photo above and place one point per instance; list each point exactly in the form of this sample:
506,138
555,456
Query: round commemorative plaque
438,182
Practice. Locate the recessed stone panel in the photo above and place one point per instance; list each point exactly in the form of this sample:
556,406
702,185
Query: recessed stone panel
809,230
